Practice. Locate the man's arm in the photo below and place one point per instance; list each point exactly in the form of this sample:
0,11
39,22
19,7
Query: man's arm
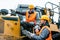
42,36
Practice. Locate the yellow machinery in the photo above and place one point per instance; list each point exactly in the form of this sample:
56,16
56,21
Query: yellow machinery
9,28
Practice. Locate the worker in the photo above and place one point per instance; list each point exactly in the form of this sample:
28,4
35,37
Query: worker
30,18
44,32
31,14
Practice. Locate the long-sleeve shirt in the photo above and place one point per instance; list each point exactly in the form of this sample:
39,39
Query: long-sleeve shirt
44,34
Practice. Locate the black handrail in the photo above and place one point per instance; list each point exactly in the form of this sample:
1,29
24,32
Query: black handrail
52,4
52,7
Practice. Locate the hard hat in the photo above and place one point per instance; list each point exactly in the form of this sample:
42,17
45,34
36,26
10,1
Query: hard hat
44,17
31,6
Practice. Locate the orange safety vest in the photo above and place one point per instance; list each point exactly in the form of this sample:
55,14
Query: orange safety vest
31,18
49,36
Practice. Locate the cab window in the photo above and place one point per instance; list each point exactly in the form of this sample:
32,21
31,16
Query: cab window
10,18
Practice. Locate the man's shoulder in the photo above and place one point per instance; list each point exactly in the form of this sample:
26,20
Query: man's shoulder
46,28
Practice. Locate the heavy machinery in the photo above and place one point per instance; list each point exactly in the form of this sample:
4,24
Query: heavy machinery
10,28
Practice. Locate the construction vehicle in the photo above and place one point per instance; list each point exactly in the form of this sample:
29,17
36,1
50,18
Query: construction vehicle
10,28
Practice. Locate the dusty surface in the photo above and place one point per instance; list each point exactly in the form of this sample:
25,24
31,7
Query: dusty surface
54,27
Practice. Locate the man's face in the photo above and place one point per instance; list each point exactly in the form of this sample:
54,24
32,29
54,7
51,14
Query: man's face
31,11
42,21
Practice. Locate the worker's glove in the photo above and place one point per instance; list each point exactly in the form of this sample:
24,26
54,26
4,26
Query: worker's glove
27,33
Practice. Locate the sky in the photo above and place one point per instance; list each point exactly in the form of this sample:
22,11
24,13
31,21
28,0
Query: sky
12,4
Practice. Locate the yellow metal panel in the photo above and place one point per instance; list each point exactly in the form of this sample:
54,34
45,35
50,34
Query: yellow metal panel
12,28
54,27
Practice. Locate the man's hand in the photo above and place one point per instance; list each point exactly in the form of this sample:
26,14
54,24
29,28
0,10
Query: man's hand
27,33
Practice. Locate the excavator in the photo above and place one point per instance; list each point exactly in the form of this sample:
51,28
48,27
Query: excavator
10,28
